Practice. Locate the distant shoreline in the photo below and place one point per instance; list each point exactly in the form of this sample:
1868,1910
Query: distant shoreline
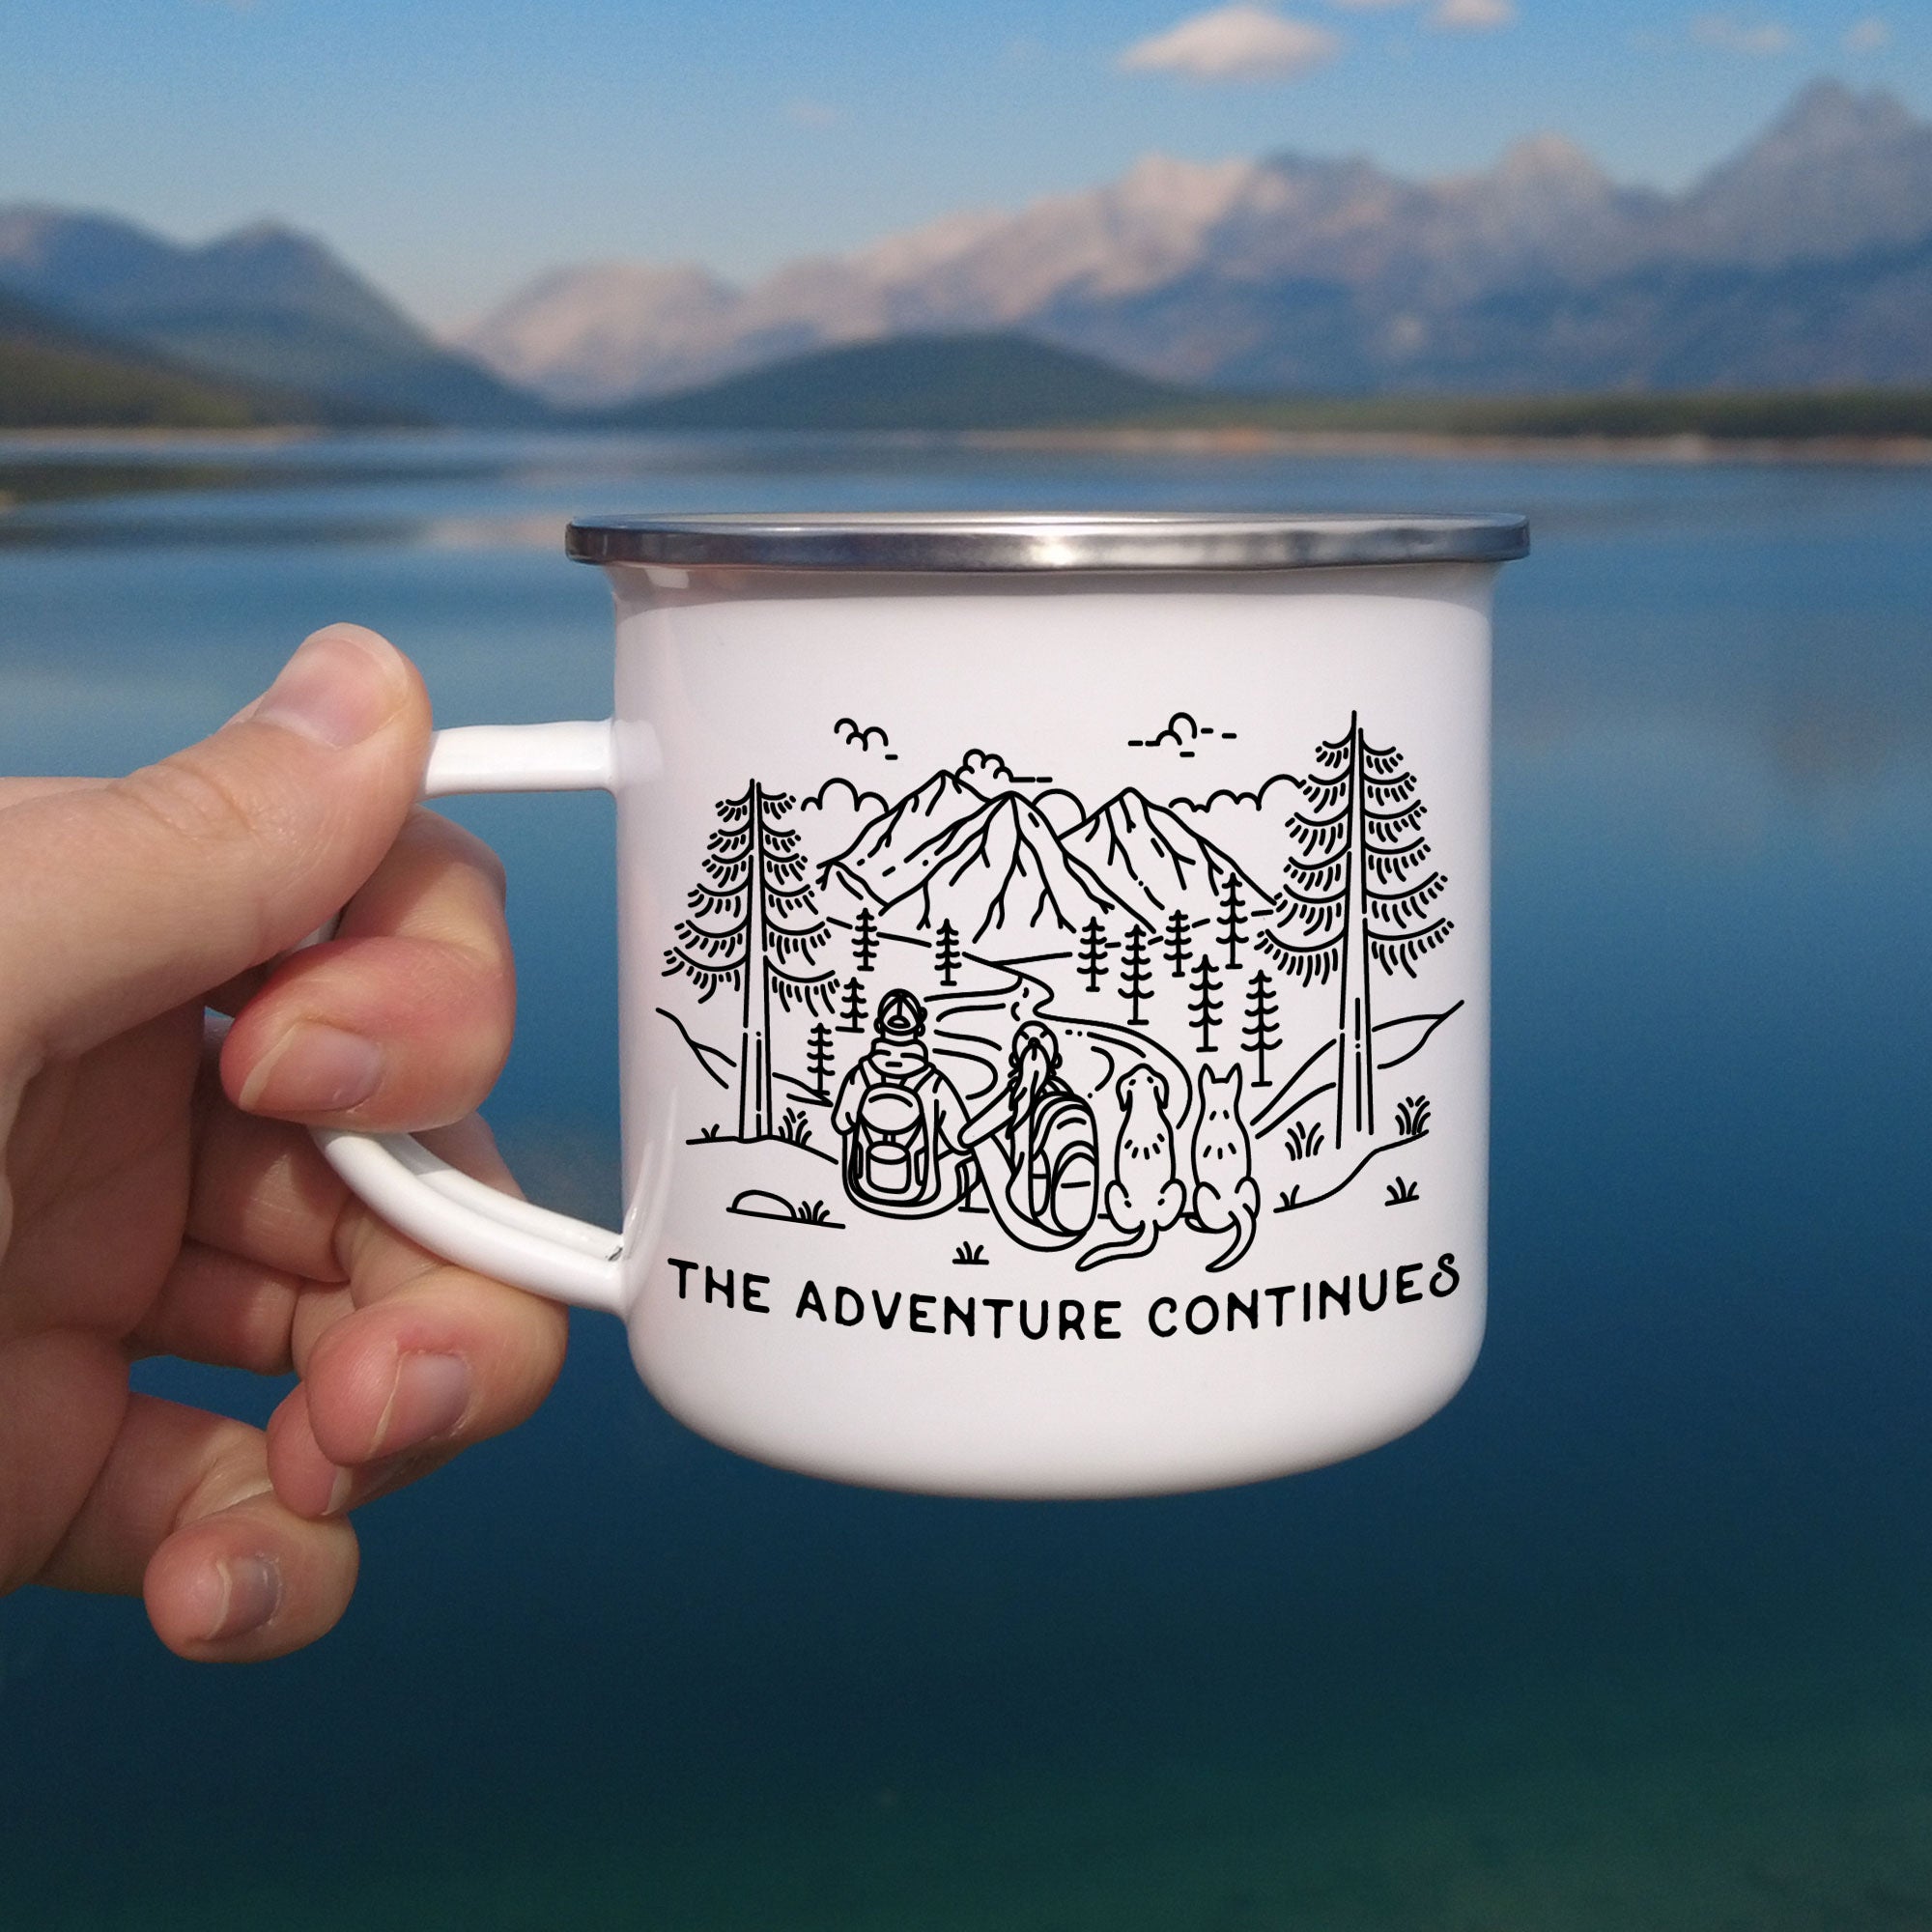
1688,448
210,458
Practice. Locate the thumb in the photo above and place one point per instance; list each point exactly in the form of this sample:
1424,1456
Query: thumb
126,899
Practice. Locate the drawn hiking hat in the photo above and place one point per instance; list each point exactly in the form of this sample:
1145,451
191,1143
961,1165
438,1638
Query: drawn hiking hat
901,1018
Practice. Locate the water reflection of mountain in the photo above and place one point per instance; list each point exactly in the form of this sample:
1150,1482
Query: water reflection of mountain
993,863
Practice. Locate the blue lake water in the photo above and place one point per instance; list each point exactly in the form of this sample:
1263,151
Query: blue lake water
1638,1632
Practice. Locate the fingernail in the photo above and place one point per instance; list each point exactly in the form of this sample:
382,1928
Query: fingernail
313,1068
330,691
373,1481
431,1396
339,1492
251,1593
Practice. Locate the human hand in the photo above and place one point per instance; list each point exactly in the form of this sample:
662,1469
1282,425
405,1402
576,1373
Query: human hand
157,1199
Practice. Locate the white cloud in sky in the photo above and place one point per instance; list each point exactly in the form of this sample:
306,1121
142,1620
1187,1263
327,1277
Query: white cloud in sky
1237,42
1473,17
1735,36
1867,35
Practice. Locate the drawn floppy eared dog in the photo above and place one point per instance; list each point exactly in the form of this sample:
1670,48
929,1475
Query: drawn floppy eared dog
1145,1197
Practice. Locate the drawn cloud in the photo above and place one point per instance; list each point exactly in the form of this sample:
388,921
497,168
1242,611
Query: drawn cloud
982,769
834,815
1060,808
1180,733
863,737
841,795
1246,825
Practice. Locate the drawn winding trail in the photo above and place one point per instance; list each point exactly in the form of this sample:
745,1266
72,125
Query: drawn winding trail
1092,1050
976,1045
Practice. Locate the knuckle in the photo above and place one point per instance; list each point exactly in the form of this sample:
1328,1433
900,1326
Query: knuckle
191,800
196,803
234,1472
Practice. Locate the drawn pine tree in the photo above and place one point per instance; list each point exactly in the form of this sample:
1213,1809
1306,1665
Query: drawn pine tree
1136,974
852,1009
768,943
1205,1005
1231,921
946,952
1095,947
1357,898
1260,1035
1175,944
864,939
818,1059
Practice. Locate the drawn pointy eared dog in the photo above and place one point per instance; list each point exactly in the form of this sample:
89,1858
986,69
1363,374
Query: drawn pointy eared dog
1226,1197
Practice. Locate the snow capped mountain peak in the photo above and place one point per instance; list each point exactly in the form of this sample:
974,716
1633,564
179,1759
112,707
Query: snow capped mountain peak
1550,158
1158,187
578,333
1828,117
1309,274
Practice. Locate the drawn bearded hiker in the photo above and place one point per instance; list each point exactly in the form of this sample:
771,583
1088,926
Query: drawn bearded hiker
1044,1134
901,1119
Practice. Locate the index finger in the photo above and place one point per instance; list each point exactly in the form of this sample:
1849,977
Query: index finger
404,1019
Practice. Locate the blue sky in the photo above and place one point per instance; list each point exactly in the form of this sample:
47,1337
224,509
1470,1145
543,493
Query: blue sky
451,151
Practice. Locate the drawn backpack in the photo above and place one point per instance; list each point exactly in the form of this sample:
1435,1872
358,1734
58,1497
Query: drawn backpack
889,1158
1063,1164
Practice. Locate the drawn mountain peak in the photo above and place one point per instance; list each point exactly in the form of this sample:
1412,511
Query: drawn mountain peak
990,865
1153,863
1006,869
883,861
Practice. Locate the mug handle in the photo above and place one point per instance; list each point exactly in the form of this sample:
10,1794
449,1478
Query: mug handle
424,1196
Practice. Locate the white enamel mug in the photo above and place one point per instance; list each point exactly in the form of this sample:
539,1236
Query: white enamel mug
1054,965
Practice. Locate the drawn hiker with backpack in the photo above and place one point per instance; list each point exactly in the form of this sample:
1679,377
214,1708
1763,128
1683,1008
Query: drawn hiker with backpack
1037,1148
902,1121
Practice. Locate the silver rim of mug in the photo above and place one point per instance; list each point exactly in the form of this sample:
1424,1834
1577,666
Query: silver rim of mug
1115,541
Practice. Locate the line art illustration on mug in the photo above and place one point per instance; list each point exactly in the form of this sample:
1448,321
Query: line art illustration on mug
1091,1031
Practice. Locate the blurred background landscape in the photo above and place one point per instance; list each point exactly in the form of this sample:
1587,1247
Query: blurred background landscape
310,314
1785,291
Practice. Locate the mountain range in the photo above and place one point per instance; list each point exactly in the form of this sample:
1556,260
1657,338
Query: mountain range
263,306
54,370
994,866
1804,259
